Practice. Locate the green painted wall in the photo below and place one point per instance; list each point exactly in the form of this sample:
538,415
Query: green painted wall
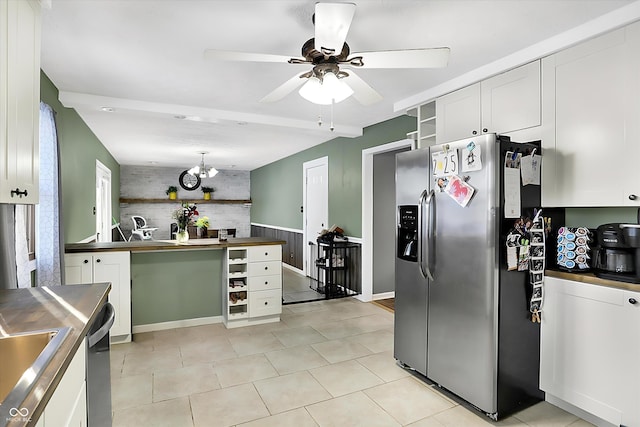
593,217
276,189
79,149
175,285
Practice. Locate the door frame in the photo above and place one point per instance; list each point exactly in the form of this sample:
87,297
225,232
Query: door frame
322,161
367,214
103,174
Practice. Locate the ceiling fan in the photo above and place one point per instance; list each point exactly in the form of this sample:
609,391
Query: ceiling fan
328,82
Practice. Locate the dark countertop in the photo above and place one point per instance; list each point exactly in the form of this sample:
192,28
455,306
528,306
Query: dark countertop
168,245
31,309
592,279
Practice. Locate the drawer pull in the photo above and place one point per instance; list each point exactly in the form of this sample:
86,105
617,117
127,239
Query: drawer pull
266,303
266,254
266,268
266,282
633,300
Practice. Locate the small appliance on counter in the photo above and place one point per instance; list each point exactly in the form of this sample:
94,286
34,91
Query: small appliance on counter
573,249
617,256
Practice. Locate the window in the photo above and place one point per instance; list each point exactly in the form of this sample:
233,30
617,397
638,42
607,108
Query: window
30,222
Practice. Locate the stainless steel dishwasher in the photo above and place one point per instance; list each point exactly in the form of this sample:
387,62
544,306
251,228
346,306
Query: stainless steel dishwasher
98,369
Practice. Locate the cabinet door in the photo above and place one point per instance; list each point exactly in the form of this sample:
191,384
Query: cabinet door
65,404
78,269
589,349
115,267
512,101
458,114
19,100
588,122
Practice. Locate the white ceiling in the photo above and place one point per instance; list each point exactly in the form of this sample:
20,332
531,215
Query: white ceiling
144,59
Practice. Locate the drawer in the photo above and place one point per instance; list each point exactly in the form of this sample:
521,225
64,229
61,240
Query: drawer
261,283
265,303
265,253
266,268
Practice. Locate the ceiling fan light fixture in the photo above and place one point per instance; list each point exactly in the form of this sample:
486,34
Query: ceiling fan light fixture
329,90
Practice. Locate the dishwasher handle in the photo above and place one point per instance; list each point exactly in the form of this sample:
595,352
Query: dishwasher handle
109,318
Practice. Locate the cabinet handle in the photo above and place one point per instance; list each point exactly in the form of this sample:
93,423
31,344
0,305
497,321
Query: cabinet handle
266,303
475,132
98,260
17,192
485,130
632,197
266,282
86,261
266,268
266,254
633,300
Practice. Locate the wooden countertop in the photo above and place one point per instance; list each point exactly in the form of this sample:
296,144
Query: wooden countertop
592,279
31,309
168,245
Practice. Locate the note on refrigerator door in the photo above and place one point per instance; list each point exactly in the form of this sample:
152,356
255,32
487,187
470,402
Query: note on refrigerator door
530,169
471,158
511,184
459,190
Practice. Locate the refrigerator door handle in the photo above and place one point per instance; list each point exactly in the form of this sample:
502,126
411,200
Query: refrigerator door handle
422,236
430,203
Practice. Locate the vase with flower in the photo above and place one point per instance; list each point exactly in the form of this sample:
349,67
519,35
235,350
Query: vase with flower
184,217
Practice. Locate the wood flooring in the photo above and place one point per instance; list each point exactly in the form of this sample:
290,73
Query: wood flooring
387,303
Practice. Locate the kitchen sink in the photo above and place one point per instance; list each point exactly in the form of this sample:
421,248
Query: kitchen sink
24,358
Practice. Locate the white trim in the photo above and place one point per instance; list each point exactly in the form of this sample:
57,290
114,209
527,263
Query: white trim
367,211
384,295
177,324
322,161
607,22
103,175
292,268
275,227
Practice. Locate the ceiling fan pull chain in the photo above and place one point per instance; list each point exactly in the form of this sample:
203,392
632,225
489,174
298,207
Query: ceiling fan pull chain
319,115
333,101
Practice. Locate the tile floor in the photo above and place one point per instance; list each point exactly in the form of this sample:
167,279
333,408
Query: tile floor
327,363
296,288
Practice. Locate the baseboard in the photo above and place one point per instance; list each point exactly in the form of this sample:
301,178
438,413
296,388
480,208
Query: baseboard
177,324
384,295
292,268
578,412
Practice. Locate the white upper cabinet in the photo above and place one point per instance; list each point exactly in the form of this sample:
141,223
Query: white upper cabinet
504,103
19,100
591,122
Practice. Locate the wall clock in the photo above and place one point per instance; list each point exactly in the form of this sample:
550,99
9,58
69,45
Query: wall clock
189,182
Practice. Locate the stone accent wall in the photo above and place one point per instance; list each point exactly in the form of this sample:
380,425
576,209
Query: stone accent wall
151,182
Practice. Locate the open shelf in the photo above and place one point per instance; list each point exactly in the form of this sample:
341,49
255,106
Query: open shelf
197,201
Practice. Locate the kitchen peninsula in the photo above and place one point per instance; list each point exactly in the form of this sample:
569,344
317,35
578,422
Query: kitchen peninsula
166,284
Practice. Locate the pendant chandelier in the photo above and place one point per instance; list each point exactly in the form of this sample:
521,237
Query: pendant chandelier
202,171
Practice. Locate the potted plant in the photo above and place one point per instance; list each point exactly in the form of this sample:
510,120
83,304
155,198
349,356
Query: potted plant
172,192
203,224
207,192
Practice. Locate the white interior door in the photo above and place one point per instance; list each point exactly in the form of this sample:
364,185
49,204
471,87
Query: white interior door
316,205
103,203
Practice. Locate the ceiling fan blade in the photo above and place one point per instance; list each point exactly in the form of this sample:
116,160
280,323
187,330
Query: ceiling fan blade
407,58
332,21
226,55
362,92
286,88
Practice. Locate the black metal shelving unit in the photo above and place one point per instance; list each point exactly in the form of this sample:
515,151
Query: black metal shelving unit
334,278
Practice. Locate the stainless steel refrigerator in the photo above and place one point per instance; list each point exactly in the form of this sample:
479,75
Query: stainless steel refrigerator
461,319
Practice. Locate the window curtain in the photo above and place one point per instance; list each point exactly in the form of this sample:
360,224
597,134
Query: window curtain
23,264
49,240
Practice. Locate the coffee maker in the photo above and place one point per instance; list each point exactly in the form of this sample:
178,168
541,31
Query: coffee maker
617,256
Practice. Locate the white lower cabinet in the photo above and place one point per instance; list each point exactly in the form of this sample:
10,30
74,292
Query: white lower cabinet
68,404
252,288
101,267
590,349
